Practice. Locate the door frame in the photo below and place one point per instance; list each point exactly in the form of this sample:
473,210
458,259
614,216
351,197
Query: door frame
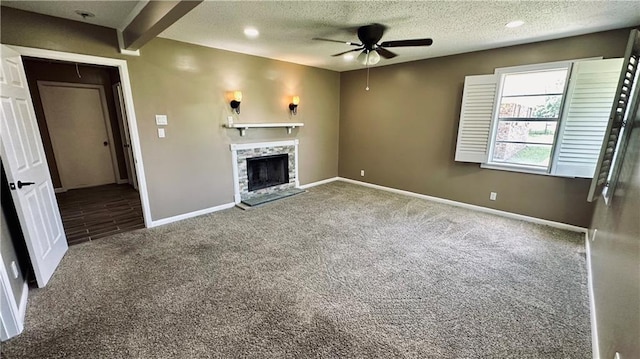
106,119
128,102
124,134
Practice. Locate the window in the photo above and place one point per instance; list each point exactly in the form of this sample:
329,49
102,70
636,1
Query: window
528,115
546,119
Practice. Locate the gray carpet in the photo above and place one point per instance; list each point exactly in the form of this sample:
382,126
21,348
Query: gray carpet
342,271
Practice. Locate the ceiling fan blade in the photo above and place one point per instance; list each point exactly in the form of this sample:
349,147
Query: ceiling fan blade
346,52
338,41
385,53
406,43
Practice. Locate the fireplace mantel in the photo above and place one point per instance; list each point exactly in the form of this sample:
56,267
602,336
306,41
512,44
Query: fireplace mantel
242,127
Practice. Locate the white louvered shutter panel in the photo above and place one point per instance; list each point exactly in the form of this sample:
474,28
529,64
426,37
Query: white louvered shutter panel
476,115
586,116
620,123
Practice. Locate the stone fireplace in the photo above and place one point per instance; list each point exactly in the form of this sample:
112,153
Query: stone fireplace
265,167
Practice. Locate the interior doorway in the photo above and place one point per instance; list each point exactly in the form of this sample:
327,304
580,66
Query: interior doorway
81,137
82,122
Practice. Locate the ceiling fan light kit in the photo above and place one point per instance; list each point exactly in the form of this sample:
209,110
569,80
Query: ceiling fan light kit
368,58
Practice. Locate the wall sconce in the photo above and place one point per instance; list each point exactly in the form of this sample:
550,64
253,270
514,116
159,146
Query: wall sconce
293,106
235,103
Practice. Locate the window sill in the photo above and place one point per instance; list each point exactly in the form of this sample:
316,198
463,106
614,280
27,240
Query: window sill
512,168
522,169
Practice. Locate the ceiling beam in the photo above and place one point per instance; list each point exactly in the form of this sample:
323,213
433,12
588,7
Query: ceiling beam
153,19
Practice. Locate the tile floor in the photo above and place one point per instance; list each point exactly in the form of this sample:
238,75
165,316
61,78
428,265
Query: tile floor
96,212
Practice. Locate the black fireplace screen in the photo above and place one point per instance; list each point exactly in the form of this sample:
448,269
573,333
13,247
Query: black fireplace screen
267,171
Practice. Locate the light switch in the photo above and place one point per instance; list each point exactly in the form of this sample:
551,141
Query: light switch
161,120
161,133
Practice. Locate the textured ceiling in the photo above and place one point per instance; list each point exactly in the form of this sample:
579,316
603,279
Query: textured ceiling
287,27
114,14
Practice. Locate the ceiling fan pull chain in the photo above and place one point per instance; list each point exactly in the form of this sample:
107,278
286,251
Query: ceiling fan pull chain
367,88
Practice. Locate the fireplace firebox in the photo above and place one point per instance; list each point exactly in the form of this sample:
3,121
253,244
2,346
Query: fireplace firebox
267,171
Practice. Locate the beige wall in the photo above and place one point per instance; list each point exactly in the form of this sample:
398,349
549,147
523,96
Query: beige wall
403,131
190,169
615,259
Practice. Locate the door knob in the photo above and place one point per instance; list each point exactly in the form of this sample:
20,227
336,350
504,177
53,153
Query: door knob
20,184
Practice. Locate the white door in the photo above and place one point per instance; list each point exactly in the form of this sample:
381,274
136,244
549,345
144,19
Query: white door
27,171
79,128
121,112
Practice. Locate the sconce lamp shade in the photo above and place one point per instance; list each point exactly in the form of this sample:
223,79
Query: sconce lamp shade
235,103
293,106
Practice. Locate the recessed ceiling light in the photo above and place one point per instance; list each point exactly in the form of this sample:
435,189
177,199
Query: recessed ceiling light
85,14
251,32
515,23
348,57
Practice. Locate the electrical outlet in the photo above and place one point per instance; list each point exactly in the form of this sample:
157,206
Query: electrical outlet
493,196
161,133
361,173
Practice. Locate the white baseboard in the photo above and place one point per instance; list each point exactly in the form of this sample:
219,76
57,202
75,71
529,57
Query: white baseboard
318,183
595,347
122,181
498,212
59,190
201,212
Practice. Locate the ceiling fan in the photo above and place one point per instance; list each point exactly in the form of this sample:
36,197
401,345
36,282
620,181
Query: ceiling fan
371,50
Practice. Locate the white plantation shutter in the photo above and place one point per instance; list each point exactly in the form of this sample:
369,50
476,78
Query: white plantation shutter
586,115
621,118
476,115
